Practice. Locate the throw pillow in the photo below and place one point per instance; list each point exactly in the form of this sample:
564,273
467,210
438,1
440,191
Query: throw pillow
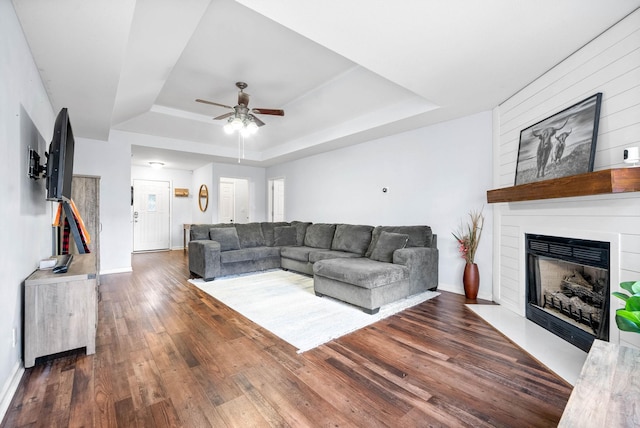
227,237
285,235
198,232
301,228
268,231
419,236
352,238
319,235
385,246
250,235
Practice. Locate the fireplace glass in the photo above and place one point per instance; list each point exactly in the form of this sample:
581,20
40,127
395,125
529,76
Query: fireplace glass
568,287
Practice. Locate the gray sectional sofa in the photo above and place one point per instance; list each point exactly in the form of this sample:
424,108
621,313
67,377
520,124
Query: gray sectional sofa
362,265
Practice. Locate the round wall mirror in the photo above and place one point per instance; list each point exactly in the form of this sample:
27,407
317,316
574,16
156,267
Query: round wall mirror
203,198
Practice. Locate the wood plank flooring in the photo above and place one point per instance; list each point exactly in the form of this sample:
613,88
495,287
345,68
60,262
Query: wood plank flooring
170,355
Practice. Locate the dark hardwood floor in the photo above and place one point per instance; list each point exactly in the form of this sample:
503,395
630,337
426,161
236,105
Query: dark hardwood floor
170,355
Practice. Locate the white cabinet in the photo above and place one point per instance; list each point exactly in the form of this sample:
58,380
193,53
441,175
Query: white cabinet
61,310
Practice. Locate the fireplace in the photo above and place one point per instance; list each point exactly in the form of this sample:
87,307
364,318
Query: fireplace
568,287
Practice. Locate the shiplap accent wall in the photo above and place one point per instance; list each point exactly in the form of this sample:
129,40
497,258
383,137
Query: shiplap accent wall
609,64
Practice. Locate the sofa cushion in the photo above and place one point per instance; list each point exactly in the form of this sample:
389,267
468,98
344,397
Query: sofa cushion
300,254
268,231
227,237
285,235
363,272
199,232
352,238
319,235
419,236
250,235
249,254
331,254
301,229
386,244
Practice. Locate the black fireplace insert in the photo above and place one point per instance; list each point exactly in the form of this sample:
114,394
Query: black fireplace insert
568,287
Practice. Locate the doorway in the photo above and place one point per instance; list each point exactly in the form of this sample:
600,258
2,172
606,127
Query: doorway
233,200
276,199
151,215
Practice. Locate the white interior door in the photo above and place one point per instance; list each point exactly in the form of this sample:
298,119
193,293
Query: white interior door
226,206
242,201
276,199
233,200
151,216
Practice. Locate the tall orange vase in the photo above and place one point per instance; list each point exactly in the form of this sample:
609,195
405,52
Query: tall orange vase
471,281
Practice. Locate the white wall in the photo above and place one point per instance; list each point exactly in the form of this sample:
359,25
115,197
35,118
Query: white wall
180,206
26,119
435,176
609,64
111,161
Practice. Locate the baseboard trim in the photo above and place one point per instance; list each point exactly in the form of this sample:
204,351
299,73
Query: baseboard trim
10,387
450,288
119,270
459,290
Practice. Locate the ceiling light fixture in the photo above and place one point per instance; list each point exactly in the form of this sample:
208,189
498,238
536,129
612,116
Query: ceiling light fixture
156,165
242,122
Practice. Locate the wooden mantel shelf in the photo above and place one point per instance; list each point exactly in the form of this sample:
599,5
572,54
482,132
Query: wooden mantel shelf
617,180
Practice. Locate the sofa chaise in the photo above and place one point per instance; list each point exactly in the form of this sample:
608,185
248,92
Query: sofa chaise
362,265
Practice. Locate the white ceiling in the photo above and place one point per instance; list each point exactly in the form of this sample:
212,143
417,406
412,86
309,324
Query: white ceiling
344,71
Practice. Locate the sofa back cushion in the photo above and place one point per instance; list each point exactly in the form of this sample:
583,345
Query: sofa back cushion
352,238
199,232
301,230
268,229
386,244
319,235
419,236
250,235
227,237
285,236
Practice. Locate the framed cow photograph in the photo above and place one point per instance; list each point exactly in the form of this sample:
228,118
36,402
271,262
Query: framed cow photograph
561,145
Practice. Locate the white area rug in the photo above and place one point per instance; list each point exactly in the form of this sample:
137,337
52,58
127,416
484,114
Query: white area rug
284,303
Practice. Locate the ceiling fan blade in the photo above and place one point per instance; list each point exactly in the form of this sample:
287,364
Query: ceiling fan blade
224,116
243,98
213,104
257,121
272,111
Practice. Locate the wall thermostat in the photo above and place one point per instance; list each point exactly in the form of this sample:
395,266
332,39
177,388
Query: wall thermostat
632,155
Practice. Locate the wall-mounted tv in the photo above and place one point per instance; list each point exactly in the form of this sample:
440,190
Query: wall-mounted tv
59,169
60,161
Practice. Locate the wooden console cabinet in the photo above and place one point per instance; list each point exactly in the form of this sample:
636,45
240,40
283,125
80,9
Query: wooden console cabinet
61,310
608,389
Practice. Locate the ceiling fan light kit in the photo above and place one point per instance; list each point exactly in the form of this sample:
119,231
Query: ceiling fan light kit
244,124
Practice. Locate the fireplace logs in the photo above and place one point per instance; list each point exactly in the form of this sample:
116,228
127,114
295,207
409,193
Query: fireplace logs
578,299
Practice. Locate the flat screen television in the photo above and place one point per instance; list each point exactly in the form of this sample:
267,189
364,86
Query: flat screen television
59,170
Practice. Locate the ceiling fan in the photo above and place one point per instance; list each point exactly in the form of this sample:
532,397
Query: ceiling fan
242,118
